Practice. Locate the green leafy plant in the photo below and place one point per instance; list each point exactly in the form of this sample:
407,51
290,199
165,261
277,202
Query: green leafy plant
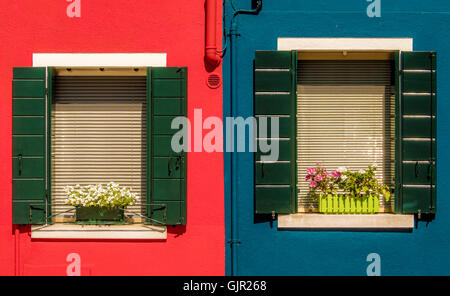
363,182
111,195
355,184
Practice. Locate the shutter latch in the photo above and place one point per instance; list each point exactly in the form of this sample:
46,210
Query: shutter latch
419,214
273,215
19,159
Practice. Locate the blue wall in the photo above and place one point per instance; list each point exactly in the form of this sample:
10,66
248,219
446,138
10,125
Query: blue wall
264,250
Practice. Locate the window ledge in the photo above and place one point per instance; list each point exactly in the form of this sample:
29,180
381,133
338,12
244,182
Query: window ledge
375,222
75,231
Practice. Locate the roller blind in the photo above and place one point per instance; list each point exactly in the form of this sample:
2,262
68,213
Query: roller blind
345,117
99,136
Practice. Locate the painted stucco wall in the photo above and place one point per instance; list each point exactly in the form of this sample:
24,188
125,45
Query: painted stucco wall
264,250
173,27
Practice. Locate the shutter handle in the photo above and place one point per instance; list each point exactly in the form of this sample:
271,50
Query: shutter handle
416,171
169,167
19,158
178,163
173,167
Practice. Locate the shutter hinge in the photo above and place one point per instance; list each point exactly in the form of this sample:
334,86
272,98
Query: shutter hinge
234,242
233,33
419,214
273,215
46,91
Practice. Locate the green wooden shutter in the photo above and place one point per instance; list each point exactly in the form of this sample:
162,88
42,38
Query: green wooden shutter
30,149
166,169
275,93
416,127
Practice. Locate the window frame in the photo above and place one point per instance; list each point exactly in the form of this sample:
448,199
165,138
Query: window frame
384,222
79,72
159,76
150,62
352,56
85,61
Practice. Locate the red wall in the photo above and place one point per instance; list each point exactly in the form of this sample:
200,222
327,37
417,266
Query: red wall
174,27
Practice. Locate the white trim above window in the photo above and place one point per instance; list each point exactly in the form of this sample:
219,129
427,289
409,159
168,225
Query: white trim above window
99,59
356,44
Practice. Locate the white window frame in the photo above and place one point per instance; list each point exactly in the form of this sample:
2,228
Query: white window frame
99,60
73,231
384,222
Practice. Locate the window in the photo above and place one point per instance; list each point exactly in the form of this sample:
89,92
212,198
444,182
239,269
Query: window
98,135
75,126
345,118
389,99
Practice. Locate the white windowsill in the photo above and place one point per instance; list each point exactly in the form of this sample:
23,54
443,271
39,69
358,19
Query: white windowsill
76,231
375,222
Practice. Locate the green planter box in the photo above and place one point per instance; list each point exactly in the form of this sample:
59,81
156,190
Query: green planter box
343,204
99,214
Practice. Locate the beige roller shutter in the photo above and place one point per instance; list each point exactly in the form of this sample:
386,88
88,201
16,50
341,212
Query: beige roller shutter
345,117
98,135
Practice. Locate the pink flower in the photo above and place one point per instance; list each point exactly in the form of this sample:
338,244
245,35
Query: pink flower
311,171
307,177
329,175
312,184
318,178
336,174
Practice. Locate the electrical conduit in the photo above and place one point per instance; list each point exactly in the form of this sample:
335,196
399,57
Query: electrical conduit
234,112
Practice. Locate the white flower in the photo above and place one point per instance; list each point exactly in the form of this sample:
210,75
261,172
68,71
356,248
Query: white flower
342,169
361,171
90,195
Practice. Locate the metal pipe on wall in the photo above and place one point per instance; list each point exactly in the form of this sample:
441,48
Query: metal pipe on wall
234,112
16,250
211,53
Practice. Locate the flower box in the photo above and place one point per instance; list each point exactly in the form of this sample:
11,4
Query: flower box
344,204
99,214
